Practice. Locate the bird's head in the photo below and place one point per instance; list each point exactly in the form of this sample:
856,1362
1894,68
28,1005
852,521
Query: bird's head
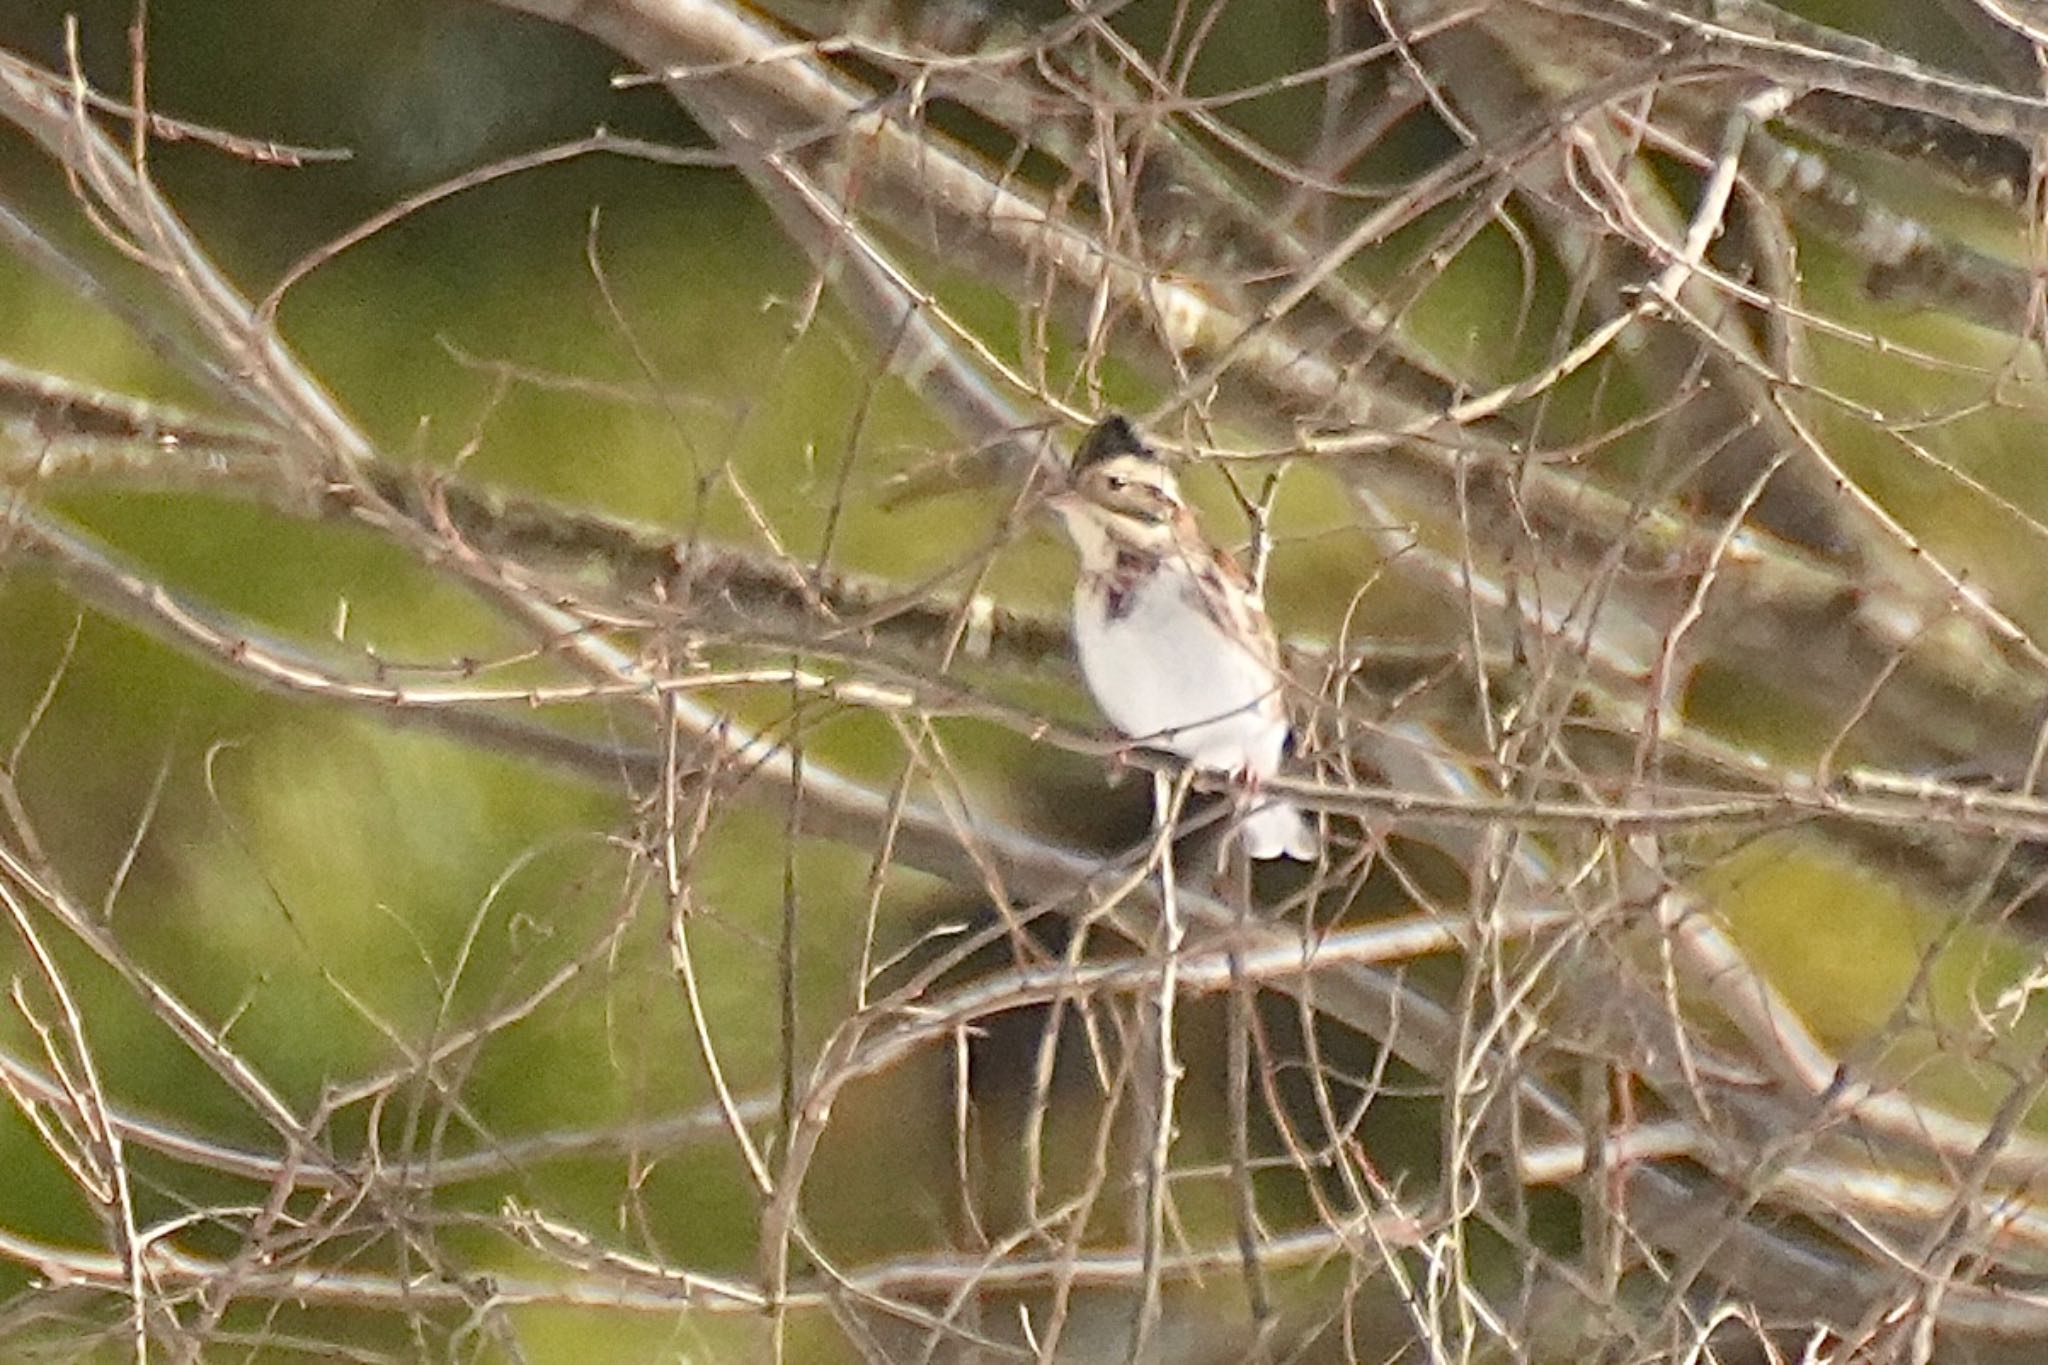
1119,494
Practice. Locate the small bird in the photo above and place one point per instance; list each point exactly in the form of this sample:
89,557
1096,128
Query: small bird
1174,641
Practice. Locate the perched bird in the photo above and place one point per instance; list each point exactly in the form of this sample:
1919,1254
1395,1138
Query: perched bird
1173,639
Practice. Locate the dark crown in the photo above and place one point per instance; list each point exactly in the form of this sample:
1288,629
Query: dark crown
1112,436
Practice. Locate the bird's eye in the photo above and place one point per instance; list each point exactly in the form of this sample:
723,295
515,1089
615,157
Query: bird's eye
1117,483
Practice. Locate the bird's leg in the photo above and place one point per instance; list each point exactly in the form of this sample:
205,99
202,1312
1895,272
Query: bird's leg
1120,762
1120,757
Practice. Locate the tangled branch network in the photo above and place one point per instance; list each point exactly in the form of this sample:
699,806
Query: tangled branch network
549,806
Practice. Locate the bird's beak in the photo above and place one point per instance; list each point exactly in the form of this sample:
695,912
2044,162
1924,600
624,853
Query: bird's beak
1071,508
1061,498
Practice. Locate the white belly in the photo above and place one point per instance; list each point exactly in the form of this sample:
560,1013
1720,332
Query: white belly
1165,675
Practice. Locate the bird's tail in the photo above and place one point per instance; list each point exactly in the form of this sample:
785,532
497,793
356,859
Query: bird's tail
1275,828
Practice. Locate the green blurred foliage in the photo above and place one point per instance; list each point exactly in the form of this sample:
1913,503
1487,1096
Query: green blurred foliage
337,895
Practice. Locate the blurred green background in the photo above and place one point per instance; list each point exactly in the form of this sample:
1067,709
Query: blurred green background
332,893
336,894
